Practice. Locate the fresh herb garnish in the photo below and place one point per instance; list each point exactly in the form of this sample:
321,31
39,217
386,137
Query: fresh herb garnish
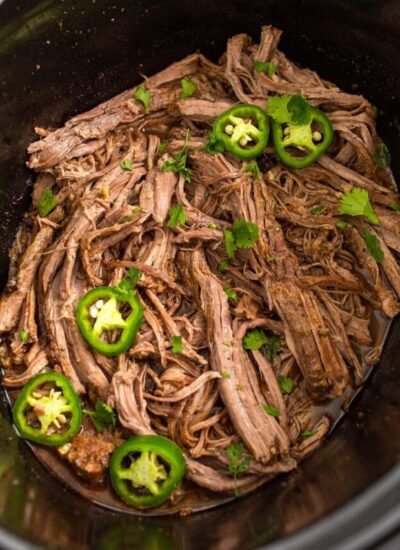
357,203
230,245
176,344
212,226
289,109
226,374
255,339
188,88
265,67
231,294
238,461
373,245
342,224
23,336
271,259
214,145
239,387
245,233
131,279
47,202
274,347
126,164
178,163
395,207
223,266
286,384
271,410
382,156
317,209
128,218
161,148
102,416
142,95
254,169
136,209
177,215
307,434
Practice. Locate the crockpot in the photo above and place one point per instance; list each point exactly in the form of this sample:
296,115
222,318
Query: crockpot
62,57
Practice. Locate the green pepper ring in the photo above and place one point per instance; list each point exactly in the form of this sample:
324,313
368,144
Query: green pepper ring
21,404
302,162
159,445
133,321
243,111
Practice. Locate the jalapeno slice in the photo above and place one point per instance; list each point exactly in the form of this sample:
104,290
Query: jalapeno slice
299,146
106,309
145,470
243,130
48,410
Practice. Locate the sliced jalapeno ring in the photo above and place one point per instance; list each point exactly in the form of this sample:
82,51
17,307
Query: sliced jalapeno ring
299,146
48,410
243,130
145,470
98,313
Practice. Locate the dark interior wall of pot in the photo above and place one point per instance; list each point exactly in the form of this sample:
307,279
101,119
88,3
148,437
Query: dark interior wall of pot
59,58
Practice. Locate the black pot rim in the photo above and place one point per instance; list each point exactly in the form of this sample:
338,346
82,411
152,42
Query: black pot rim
368,518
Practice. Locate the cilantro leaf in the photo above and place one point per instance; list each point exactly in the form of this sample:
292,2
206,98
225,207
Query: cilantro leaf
161,148
255,339
254,169
102,416
245,233
223,266
265,67
373,245
226,375
126,165
382,156
286,384
271,410
395,207
299,109
274,347
271,259
176,344
232,295
23,336
212,226
307,434
178,163
289,109
317,209
214,145
238,461
342,224
230,245
188,88
357,203
277,108
130,280
177,215
47,202
142,95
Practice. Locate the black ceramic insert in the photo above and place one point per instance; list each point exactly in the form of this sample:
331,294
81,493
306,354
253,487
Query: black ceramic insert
59,58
